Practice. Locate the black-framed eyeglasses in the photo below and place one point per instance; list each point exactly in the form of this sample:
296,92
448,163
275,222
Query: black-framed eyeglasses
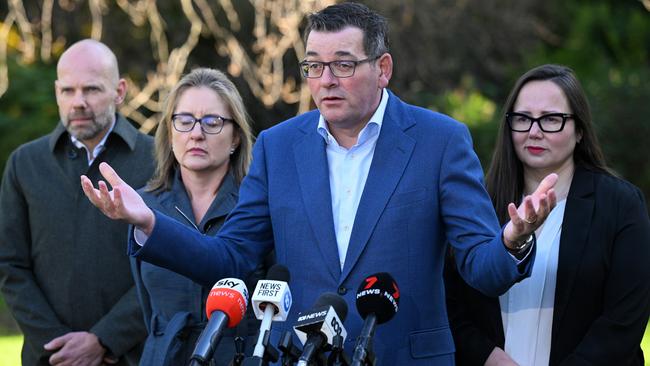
551,122
339,68
210,123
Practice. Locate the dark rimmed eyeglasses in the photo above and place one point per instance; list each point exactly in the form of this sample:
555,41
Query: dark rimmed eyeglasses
210,123
339,68
551,122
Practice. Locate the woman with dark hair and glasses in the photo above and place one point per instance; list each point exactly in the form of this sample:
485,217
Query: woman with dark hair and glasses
588,298
202,149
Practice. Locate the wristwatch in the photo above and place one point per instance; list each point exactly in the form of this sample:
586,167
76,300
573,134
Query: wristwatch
523,246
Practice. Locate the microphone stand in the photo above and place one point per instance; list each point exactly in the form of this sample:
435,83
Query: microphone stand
270,354
290,353
319,359
239,352
337,356
363,354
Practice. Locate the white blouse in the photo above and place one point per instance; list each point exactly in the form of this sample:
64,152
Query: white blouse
527,308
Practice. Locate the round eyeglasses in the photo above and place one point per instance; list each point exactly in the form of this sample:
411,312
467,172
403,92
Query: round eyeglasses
551,122
339,68
210,124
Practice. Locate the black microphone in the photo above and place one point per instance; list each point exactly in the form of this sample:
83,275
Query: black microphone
318,327
225,307
377,302
72,153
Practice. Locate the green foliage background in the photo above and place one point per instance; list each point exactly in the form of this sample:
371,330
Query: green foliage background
607,43
464,69
28,109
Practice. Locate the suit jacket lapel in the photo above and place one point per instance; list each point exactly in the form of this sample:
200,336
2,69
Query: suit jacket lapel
313,176
575,229
392,154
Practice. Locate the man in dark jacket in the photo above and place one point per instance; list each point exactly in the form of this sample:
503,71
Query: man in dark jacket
63,268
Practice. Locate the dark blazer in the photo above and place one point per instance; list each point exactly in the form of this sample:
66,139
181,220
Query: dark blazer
602,295
424,188
62,262
173,305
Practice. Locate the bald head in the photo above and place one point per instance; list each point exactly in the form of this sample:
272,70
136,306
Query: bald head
90,54
88,90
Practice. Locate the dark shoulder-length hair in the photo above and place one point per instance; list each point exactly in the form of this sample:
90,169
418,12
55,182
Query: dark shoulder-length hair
217,81
505,178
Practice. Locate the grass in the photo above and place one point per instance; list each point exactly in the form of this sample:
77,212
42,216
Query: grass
10,349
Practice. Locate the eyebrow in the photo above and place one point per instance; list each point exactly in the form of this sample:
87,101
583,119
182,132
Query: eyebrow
83,86
337,53
205,115
541,114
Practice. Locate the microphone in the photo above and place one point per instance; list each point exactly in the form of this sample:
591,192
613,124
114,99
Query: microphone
318,327
271,301
225,306
377,302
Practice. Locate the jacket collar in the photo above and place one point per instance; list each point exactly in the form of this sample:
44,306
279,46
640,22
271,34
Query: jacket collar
391,157
392,153
178,203
576,226
573,241
395,111
122,129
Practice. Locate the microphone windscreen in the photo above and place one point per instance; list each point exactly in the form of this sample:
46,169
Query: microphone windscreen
275,291
335,301
229,296
278,272
378,294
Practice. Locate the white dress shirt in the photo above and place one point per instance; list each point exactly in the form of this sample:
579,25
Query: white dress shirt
97,150
348,171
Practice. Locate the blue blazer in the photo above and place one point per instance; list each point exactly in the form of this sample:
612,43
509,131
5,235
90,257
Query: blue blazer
424,190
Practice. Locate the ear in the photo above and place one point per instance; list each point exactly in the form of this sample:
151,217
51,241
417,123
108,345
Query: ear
235,138
578,137
385,69
121,91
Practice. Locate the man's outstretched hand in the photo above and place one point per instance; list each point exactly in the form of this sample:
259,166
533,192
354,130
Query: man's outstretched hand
121,203
531,214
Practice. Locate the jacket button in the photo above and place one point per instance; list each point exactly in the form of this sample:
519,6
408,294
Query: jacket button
342,290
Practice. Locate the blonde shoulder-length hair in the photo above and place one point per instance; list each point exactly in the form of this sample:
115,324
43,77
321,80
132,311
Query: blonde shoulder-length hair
216,80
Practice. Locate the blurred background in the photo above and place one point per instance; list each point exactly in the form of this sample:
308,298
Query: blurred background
457,57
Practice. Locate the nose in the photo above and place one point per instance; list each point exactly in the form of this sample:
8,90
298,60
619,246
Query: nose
328,79
535,131
196,132
79,100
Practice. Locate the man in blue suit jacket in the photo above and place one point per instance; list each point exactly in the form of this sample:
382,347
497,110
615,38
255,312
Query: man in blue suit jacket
364,184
